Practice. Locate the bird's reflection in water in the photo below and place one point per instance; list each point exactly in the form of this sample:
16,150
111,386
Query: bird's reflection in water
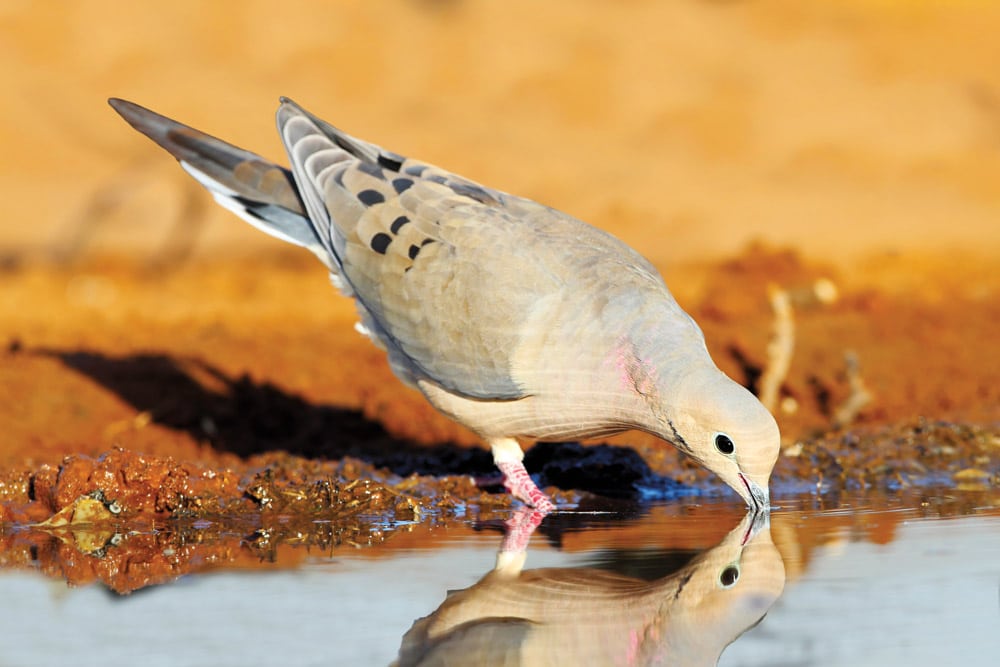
586,616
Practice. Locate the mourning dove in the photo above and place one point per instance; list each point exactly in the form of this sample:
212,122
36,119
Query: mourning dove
590,616
512,318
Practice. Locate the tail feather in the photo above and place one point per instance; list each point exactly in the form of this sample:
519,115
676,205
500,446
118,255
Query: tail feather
257,190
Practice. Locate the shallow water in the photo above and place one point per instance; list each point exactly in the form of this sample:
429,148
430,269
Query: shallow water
876,579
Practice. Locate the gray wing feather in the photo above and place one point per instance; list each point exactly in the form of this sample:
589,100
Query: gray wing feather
418,247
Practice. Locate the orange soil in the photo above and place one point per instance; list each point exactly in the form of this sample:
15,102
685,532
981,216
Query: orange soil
172,362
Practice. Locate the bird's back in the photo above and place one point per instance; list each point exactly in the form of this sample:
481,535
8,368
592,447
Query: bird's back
456,279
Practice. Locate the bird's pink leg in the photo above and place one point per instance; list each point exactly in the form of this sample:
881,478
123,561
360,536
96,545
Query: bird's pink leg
518,482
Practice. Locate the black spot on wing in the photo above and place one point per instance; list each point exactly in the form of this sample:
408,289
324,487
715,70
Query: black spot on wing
415,249
398,223
370,197
380,243
371,170
391,161
402,184
415,169
437,178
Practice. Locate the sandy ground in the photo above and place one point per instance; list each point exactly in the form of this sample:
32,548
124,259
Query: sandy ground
741,146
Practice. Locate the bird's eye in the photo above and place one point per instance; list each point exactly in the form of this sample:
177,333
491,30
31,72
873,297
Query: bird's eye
724,444
729,576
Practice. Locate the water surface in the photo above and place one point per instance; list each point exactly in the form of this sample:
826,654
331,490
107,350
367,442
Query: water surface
909,579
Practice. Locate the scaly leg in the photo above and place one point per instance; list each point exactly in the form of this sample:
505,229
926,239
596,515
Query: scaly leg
507,455
517,534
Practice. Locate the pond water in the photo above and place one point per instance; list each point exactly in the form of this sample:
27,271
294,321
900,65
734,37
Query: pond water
911,578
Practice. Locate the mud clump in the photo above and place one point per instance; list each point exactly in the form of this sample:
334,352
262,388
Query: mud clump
135,483
131,485
892,457
276,491
131,520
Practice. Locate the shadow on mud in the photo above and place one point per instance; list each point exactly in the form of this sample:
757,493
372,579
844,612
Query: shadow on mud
246,417
240,415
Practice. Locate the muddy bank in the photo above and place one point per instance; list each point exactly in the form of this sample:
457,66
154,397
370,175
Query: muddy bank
131,486
131,521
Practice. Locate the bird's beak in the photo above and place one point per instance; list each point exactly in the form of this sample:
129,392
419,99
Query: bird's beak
757,496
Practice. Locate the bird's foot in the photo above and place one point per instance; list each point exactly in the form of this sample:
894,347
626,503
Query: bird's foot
517,481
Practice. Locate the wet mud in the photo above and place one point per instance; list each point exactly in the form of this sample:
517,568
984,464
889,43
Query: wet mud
130,521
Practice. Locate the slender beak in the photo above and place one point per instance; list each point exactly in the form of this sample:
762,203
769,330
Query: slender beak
757,497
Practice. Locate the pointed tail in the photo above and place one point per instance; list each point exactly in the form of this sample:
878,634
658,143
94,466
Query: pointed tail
259,191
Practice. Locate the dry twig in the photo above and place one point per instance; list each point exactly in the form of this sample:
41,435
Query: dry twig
859,397
779,349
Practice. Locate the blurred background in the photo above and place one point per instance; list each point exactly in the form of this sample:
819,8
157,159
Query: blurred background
852,145
749,148
842,128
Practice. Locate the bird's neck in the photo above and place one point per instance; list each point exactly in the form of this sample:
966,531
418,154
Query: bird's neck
651,364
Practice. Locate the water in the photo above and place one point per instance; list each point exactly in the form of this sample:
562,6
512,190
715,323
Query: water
860,580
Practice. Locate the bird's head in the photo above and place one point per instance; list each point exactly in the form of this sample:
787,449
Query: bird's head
725,428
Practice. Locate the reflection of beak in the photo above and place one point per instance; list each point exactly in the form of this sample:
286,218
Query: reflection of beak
756,496
753,523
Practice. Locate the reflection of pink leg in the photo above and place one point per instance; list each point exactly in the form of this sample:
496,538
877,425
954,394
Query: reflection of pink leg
517,481
519,529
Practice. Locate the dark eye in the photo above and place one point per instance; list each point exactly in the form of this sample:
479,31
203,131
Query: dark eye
729,576
724,444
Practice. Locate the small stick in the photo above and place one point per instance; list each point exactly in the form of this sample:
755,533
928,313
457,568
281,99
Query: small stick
779,349
859,397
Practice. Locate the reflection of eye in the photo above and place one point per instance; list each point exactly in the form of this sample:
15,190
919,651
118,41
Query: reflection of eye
729,576
724,444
